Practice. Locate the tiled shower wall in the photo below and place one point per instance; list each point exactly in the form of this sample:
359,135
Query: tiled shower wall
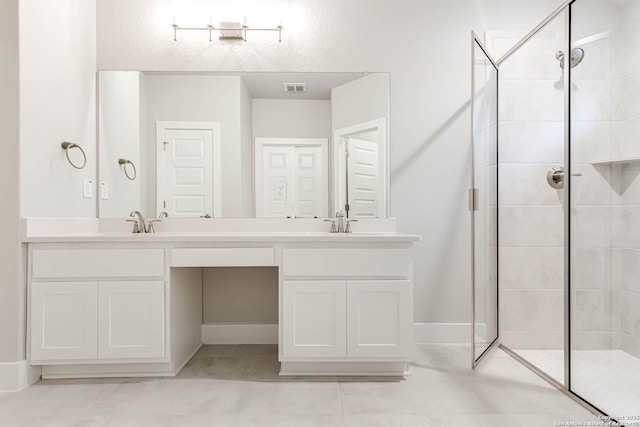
605,194
592,194
626,216
531,216
606,197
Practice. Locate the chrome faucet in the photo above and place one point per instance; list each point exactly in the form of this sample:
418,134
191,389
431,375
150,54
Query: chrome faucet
139,226
347,229
333,225
340,216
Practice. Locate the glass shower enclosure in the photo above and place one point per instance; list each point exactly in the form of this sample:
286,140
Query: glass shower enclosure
556,201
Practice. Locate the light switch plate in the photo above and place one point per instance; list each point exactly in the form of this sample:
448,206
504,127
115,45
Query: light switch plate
87,189
104,190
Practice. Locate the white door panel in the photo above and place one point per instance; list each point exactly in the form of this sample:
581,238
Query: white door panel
189,165
310,197
379,318
314,319
277,175
188,168
131,320
364,183
291,177
64,319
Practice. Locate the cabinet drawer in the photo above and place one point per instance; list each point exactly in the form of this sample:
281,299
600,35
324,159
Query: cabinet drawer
222,257
96,263
342,262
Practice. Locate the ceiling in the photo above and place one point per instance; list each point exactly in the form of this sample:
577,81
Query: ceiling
269,85
319,85
620,3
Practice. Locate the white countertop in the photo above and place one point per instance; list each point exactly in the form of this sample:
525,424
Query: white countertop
235,236
88,230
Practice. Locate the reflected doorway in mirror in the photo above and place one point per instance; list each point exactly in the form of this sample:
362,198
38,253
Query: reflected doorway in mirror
291,177
360,175
188,159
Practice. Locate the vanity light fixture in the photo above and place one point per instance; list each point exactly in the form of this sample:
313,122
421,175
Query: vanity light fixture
228,31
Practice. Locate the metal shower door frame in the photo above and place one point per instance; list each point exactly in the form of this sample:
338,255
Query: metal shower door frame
473,207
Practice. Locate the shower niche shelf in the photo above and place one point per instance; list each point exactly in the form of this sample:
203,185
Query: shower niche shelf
612,162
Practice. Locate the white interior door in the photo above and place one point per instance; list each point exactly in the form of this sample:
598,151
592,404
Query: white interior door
188,169
291,177
363,178
310,199
277,180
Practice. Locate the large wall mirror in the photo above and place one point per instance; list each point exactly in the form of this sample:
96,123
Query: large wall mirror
243,144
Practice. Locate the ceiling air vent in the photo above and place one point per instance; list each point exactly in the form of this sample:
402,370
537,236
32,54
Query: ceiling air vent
295,87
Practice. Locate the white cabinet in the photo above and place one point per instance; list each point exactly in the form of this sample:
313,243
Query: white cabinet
64,320
131,320
97,320
96,305
346,319
314,314
379,318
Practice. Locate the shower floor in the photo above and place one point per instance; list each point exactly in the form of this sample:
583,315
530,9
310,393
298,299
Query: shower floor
608,379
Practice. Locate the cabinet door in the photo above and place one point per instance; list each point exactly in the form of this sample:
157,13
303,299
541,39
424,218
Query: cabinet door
63,321
379,318
131,321
314,319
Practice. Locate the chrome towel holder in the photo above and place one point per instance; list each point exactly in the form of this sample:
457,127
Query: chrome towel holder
124,163
66,146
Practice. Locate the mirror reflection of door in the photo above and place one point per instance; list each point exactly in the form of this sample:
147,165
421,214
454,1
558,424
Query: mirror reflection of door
363,178
186,169
291,177
360,178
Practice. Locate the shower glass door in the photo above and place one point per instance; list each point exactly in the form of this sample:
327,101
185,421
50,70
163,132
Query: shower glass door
483,201
605,206
532,245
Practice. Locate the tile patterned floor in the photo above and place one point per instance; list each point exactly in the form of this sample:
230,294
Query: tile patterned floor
239,386
608,378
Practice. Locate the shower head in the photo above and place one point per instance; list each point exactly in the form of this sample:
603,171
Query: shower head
577,55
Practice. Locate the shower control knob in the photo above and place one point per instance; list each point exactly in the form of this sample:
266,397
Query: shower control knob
555,177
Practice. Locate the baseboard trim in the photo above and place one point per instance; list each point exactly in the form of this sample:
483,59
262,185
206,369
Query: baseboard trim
16,376
240,334
179,365
369,369
443,333
424,333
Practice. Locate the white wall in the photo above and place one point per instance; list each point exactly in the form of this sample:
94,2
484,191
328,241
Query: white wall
425,45
57,103
12,287
282,118
246,138
361,100
47,81
196,98
240,295
119,137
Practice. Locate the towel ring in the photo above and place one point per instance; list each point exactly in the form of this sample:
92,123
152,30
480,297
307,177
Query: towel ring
66,146
124,163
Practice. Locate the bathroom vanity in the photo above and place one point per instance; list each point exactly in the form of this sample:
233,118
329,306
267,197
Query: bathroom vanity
109,303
